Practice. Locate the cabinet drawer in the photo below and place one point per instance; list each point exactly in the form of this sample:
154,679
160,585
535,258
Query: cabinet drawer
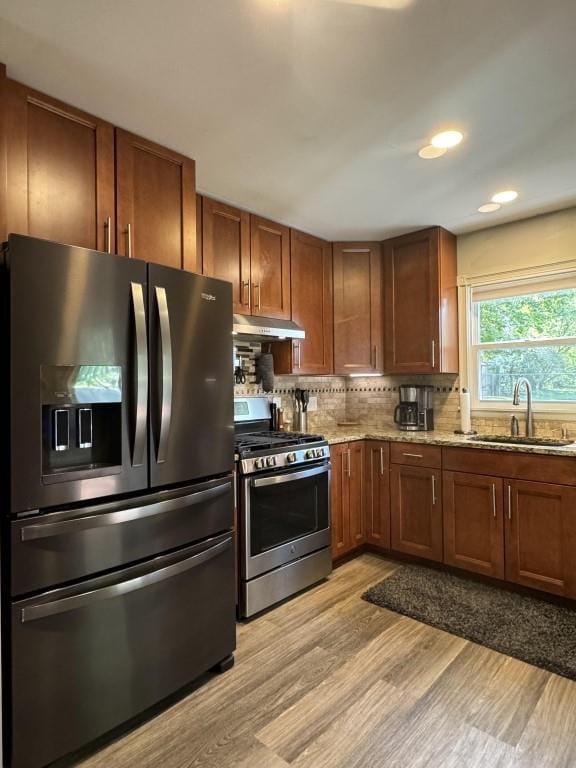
511,464
416,455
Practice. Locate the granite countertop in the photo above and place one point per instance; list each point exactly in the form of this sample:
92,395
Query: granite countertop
348,434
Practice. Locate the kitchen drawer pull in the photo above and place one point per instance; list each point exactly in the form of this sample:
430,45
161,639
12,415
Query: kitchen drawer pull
433,490
259,302
382,461
349,462
509,502
66,604
433,354
413,455
297,348
101,520
494,499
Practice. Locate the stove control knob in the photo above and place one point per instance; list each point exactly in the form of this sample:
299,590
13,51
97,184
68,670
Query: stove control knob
310,454
271,461
258,463
291,458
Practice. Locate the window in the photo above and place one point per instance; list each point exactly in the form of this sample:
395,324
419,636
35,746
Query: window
524,328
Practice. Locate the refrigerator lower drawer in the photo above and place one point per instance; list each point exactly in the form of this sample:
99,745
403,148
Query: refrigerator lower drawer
88,658
65,546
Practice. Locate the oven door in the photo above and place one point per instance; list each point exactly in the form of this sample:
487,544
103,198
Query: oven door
285,516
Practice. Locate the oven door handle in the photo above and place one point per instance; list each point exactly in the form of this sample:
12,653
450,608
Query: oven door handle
290,476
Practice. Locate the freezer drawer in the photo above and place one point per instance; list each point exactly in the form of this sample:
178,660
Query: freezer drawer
65,546
88,658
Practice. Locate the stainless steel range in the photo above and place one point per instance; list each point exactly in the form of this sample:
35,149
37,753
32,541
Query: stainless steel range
284,506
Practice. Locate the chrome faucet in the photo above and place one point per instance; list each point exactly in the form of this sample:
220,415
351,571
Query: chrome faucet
516,401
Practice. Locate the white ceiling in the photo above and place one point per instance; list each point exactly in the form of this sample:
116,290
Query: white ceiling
312,111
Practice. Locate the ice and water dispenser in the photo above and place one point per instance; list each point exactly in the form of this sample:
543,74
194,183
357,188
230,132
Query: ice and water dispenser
81,420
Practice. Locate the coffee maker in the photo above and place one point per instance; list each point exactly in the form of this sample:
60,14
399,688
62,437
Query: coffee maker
415,412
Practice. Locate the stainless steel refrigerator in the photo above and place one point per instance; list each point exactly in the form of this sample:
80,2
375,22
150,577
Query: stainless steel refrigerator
118,579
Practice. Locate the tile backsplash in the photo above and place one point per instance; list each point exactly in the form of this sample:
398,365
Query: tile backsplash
371,400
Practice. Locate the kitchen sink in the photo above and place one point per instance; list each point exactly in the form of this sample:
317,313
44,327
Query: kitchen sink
518,440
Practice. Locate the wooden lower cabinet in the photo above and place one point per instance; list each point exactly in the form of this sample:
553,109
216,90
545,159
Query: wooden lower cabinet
416,511
377,505
540,534
474,523
347,498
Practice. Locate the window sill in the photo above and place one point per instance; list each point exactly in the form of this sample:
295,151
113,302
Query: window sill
557,414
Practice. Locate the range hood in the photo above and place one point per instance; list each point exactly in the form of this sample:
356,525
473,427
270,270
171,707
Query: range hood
266,329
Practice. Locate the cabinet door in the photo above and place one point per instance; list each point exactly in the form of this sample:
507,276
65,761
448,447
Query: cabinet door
356,482
474,523
416,511
311,277
377,509
339,500
270,268
59,171
421,303
226,249
358,323
540,532
156,203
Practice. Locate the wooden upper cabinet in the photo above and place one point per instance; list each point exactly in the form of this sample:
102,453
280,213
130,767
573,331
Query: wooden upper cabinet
269,268
358,322
540,533
226,249
59,172
377,504
155,202
421,303
312,306
474,523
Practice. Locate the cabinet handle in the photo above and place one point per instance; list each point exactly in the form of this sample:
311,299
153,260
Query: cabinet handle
509,502
129,241
433,490
297,360
413,455
349,462
108,228
382,461
433,354
494,499
259,303
246,297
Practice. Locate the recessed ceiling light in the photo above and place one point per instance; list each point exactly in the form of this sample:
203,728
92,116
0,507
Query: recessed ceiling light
489,208
507,196
430,153
447,139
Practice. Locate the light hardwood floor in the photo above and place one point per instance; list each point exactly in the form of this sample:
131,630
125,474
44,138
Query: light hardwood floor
330,681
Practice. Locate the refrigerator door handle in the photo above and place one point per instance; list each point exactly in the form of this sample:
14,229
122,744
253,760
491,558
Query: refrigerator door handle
166,403
42,610
141,415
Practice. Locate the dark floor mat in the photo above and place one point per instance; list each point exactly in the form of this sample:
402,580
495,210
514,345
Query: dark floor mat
533,630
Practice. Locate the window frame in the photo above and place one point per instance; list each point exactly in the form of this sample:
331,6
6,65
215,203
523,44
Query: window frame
470,335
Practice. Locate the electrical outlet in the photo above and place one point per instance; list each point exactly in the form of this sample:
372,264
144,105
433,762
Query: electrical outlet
277,401
313,404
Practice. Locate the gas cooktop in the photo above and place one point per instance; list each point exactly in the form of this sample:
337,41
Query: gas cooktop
249,442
